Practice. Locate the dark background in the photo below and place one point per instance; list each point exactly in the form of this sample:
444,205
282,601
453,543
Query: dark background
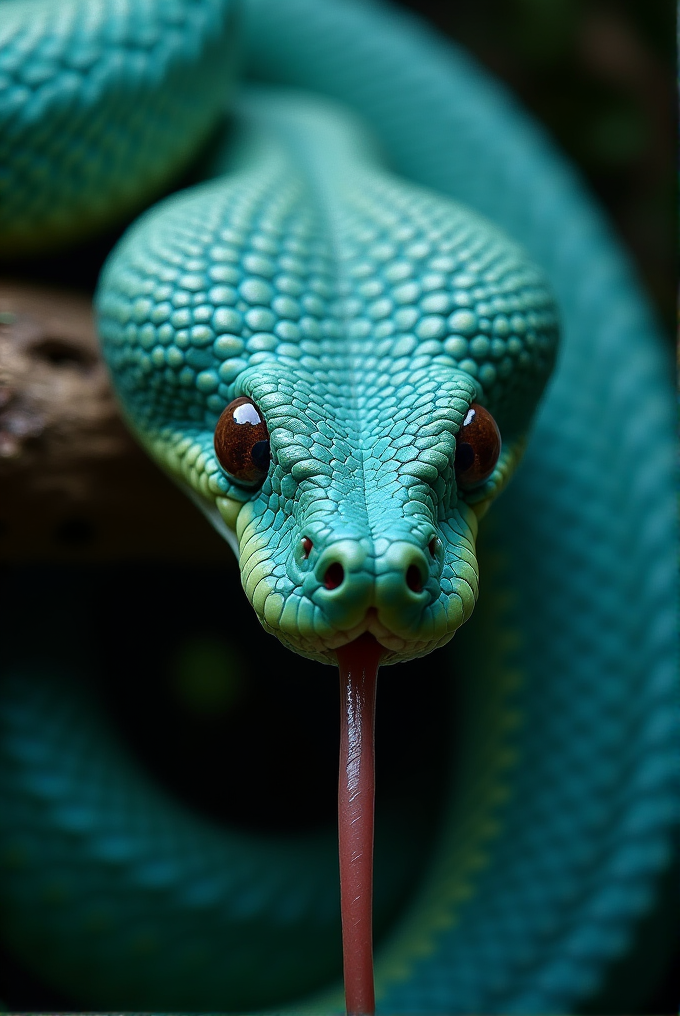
600,76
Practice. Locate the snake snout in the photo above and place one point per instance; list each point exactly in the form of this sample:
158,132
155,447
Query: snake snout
396,577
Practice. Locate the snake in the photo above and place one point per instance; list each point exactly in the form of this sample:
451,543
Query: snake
341,345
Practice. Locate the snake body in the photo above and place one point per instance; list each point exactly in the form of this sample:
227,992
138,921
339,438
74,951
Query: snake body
351,273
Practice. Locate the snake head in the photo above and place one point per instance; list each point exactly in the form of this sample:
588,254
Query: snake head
360,524
363,317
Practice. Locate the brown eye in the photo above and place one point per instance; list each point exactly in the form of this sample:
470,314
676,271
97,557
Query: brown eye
242,442
478,446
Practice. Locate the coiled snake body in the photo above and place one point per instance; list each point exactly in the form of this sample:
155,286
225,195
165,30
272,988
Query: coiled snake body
332,278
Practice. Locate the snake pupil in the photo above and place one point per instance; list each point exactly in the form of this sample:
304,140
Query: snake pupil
465,456
260,455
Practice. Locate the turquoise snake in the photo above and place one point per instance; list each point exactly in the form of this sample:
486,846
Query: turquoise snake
351,275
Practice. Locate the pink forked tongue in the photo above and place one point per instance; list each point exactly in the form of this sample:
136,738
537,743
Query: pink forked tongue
358,662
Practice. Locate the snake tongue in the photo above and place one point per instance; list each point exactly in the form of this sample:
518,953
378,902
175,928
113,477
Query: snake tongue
358,662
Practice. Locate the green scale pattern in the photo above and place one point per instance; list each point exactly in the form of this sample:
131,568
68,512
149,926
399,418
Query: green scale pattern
363,314
99,105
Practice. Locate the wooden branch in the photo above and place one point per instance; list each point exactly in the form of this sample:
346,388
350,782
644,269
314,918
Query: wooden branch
74,485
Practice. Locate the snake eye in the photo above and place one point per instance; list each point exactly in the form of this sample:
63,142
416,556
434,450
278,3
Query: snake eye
242,442
478,446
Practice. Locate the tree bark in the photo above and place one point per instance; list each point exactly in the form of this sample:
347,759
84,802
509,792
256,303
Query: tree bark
74,484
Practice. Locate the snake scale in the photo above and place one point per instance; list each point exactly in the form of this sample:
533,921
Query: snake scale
346,270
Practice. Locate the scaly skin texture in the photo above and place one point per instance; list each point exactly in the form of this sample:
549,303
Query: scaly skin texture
88,134
363,308
363,316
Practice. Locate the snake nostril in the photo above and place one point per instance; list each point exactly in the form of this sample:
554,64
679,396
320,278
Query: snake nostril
335,575
414,580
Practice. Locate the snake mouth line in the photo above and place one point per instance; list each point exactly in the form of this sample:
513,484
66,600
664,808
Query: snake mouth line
396,647
375,627
369,623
